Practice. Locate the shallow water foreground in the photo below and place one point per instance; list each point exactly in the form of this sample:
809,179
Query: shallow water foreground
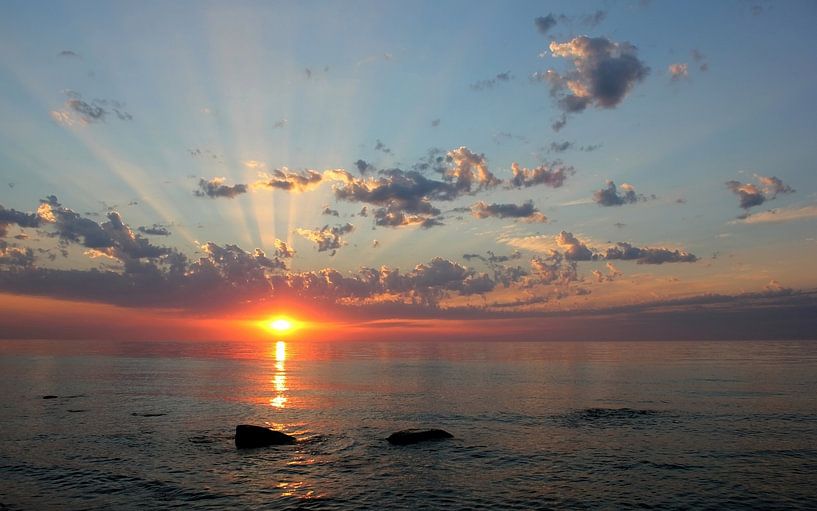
536,425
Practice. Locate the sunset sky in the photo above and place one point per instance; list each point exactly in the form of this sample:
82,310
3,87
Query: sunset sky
384,170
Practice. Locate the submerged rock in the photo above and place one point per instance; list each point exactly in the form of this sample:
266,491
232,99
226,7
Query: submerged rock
247,436
413,436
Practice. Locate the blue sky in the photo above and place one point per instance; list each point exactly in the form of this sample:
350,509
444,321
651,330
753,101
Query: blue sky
215,89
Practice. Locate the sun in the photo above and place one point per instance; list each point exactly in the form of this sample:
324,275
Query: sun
280,325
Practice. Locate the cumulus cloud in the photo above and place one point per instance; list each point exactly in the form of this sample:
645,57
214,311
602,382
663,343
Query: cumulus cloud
627,252
751,195
363,167
327,238
491,82
215,188
329,211
525,211
603,73
380,146
574,249
551,174
76,110
610,196
404,197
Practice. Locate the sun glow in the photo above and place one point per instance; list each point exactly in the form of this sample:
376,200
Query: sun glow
279,325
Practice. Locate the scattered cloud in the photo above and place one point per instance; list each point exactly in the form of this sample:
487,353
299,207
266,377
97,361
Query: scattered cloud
678,71
610,196
491,82
779,215
627,252
327,238
154,230
78,111
526,212
215,188
751,195
603,73
552,174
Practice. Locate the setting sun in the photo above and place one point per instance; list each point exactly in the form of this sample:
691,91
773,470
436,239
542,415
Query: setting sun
280,325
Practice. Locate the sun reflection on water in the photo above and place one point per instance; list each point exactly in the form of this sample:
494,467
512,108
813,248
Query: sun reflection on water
279,379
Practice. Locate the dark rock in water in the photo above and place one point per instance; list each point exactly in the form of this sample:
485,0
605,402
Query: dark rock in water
50,397
148,414
247,436
413,436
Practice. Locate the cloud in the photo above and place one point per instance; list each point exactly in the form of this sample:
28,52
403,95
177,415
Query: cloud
435,123
327,238
603,73
678,71
627,252
560,147
363,167
17,257
545,23
700,59
215,188
68,54
329,211
154,230
404,196
380,146
12,216
551,174
781,215
574,249
609,196
594,18
491,82
751,195
525,211
291,181
78,111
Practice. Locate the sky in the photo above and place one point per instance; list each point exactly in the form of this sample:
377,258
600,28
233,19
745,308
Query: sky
383,170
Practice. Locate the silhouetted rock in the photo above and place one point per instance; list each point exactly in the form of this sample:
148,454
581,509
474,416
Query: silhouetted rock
50,397
412,436
257,436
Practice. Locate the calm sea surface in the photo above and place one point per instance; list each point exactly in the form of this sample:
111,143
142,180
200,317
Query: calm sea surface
666,425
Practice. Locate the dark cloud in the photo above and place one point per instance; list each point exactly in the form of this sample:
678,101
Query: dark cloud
435,123
545,23
327,238
329,211
627,252
154,230
68,54
491,82
380,146
215,187
363,167
12,216
526,211
751,195
603,73
552,174
76,109
610,196
560,147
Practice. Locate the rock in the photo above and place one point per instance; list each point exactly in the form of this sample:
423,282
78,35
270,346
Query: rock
50,397
412,436
247,436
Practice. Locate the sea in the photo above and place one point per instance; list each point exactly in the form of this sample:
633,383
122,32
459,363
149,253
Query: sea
537,425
